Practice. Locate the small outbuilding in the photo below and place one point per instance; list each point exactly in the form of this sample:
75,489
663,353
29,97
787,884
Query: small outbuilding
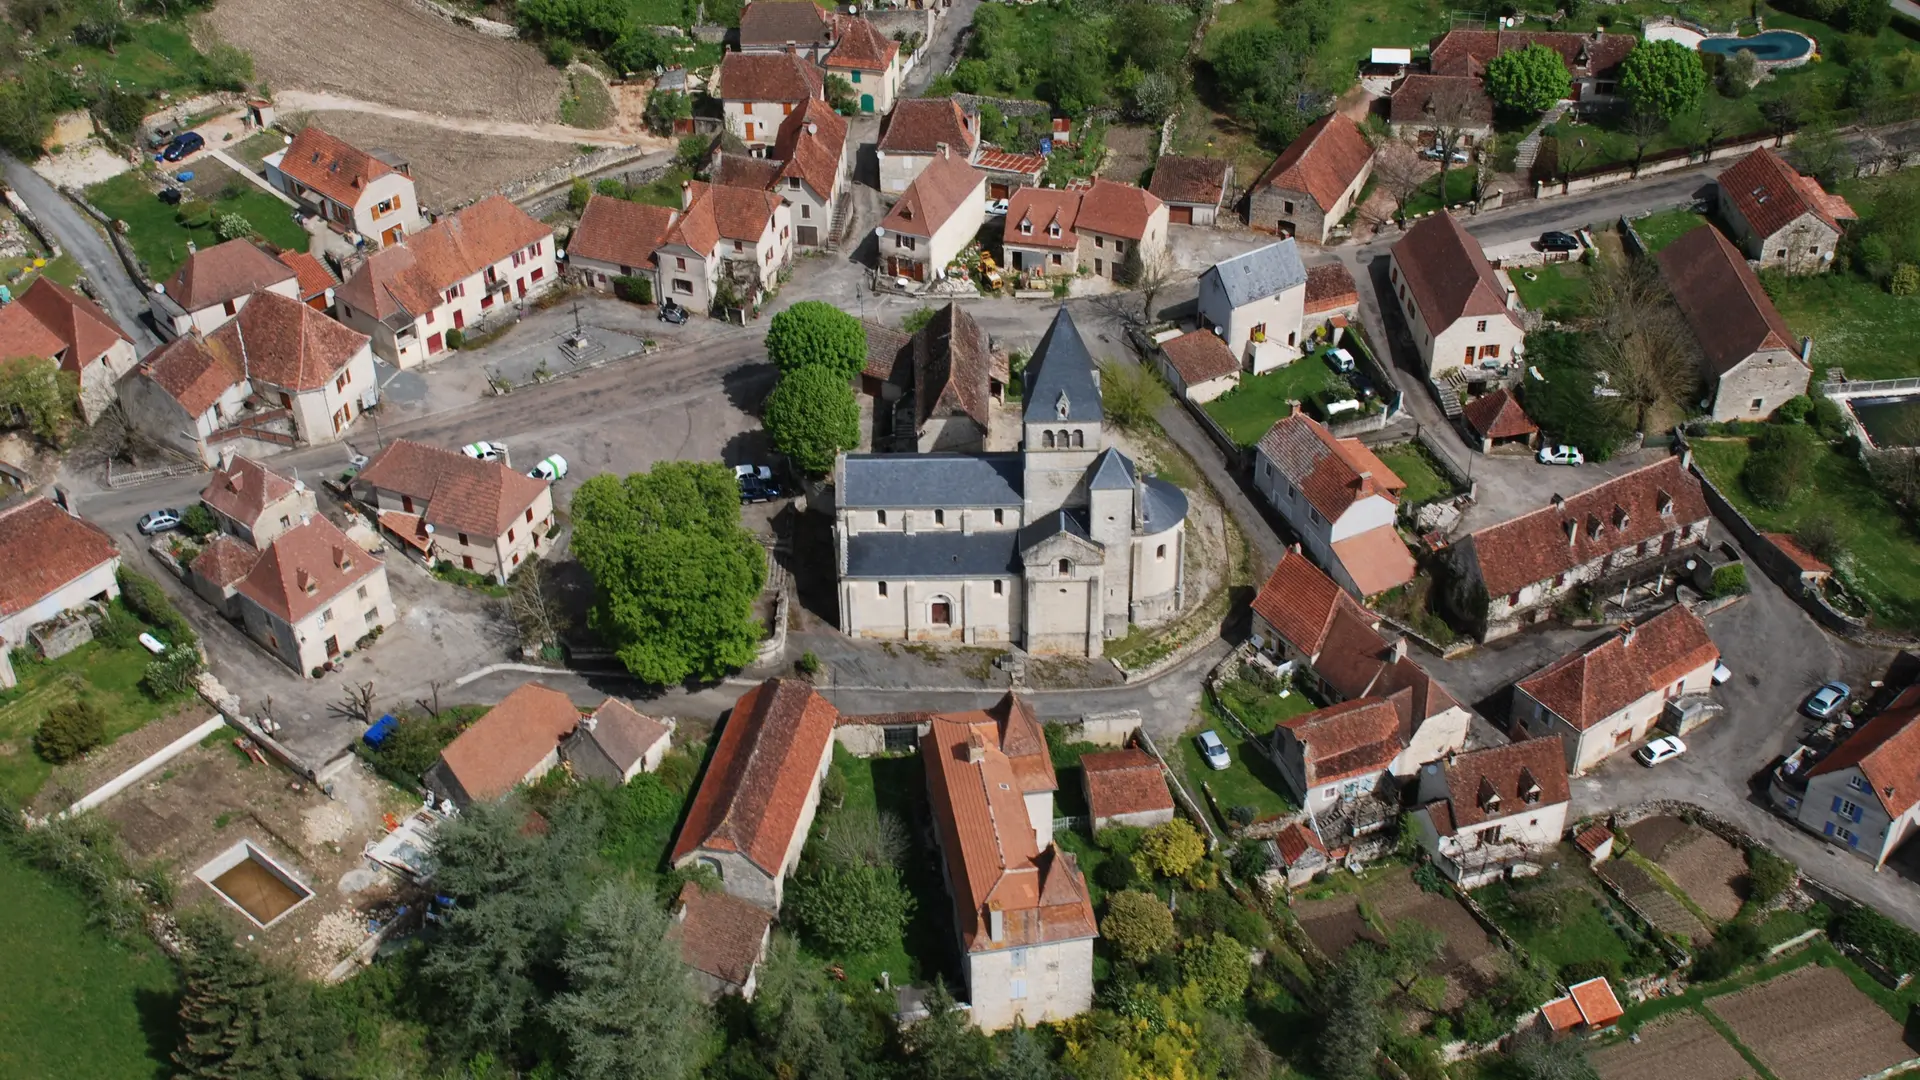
1498,421
615,743
722,938
1124,787
1199,365
1590,1007
1302,854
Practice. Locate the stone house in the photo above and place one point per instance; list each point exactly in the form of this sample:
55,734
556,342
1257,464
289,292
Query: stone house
312,595
50,322
1256,303
812,150
759,90
184,394
214,284
786,26
1423,106
619,238
1511,575
254,504
1198,365
1782,219
615,744
1192,187
516,742
1339,752
1339,499
1496,419
919,130
934,220
722,939
1312,186
216,573
1022,912
1038,236
1483,812
1455,306
480,516
1122,229
1747,351
934,389
1303,855
1124,787
868,60
1592,60
750,816
354,191
56,562
1606,697
1865,795
455,274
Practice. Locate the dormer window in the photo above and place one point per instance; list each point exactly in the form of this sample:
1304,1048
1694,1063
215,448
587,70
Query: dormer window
1026,227
1620,518
1489,799
1573,531
1594,527
1664,503
1529,788
1053,229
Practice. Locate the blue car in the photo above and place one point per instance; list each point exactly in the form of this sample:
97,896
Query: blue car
183,144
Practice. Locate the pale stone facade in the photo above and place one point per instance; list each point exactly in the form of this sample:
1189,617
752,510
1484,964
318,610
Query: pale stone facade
1256,302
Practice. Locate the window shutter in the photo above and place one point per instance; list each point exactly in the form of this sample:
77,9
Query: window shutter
1856,815
1853,840
1836,804
1829,828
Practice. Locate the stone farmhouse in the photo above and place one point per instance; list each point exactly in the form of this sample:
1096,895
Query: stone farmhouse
759,90
442,505
516,742
1192,187
309,595
1456,308
1107,228
1312,186
1256,303
935,389
614,743
1783,220
1341,752
56,562
1484,812
1055,548
1865,795
1426,106
1450,94
1339,499
1198,365
1747,351
214,284
252,503
919,130
356,192
934,220
1510,575
1606,697
50,322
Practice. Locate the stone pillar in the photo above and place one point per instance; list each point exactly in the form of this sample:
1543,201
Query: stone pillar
968,632
1096,613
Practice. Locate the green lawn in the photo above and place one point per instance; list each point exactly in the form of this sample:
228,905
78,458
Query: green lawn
253,150
1250,410
1881,560
1582,934
1263,703
1855,324
160,237
63,270
1663,228
1252,780
78,1005
1357,29
110,675
1552,285
1426,198
160,56
1411,462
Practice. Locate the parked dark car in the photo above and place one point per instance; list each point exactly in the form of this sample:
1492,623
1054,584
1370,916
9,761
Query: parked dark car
671,312
183,144
1559,241
171,196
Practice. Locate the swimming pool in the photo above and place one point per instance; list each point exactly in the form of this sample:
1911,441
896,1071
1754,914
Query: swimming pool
1772,46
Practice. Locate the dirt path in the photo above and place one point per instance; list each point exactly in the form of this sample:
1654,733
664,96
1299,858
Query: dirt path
308,101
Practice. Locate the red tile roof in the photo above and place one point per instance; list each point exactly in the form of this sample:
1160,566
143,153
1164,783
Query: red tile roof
225,561
721,935
739,170
886,348
1485,785
493,756
1300,601
1466,52
942,188
811,144
331,166
1420,98
311,275
995,160
1198,181
1295,841
1332,473
761,775
1032,211
459,493
192,374
286,344
1588,686
1330,287
1806,561
696,227
1618,514
1356,661
1353,738
1376,560
1116,209
1590,840
776,23
993,861
1323,162
1887,751
1198,356
1731,315
1561,1014
412,277
769,77
620,232
305,569
244,489
743,214
861,46
53,323
215,275
1598,1006
1448,274
953,368
1499,416
1124,782
920,125
1771,195
44,548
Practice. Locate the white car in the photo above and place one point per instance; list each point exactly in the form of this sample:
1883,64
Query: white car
1561,455
485,451
997,208
1213,750
1662,749
550,468
152,644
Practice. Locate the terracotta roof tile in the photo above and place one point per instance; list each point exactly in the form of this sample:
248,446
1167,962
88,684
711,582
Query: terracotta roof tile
1771,195
1033,211
331,166
1448,274
1356,661
496,753
311,275
412,276
282,342
775,23
1353,738
1598,1006
761,774
1295,841
811,144
244,489
1731,315
1887,750
1332,473
458,492
620,232
1200,181
721,935
192,374
1198,356
1590,840
51,322
995,160
1483,785
1467,51
952,365
1499,416
919,125
1420,97
886,347
1561,1014
1124,782
229,271
1323,162
1806,561
1300,601
741,170
44,548
1586,687
305,569
941,189
1534,547
225,561
1376,560
1116,209
696,227
769,77
743,214
861,46
1330,286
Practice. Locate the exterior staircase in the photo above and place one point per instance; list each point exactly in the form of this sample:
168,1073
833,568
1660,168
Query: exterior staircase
842,220
1529,150
1446,390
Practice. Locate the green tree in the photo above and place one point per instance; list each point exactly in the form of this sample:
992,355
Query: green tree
629,1009
849,908
1023,1057
1528,80
579,193
239,1018
39,391
840,95
29,103
99,23
639,51
1130,394
664,109
71,728
812,416
1138,925
917,319
1351,1027
1219,966
1664,78
1741,71
1867,18
1156,97
947,1045
232,227
1768,875
1169,849
814,333
675,574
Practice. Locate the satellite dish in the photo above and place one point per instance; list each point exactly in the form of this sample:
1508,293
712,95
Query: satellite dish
286,140
429,530
880,231
160,287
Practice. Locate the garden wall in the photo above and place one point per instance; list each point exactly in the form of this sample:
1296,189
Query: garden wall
1674,161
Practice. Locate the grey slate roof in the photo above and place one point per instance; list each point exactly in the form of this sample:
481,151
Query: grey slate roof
932,480
1111,470
1260,273
947,553
1061,363
1052,525
1165,505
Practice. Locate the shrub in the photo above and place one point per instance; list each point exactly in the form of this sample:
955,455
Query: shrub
232,227
1905,280
1169,850
1430,879
1137,924
559,52
1735,945
1781,458
1827,418
1820,538
1243,815
71,728
456,339
1888,943
849,908
1251,859
578,194
1730,580
1794,410
1582,970
1219,966
809,663
1768,875
198,522
634,290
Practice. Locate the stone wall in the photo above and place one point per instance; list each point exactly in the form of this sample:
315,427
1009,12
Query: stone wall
546,192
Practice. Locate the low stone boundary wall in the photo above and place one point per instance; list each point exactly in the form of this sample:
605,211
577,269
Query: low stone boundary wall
1547,189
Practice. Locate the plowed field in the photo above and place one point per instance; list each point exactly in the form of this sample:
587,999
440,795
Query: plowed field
1814,1024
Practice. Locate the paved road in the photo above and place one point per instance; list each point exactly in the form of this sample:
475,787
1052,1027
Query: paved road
75,233
938,52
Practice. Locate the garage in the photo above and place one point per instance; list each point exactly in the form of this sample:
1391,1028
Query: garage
1180,215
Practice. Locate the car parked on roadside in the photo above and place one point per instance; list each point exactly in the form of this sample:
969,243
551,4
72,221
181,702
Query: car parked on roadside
1721,673
183,144
1213,749
485,451
1559,241
550,468
757,483
158,521
997,208
1660,750
672,312
1829,701
1560,455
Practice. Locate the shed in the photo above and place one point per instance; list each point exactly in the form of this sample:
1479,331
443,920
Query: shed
1124,787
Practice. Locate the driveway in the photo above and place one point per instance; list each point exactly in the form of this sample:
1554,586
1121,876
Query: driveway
76,234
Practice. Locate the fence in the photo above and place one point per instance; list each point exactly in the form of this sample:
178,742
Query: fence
1180,791
1843,389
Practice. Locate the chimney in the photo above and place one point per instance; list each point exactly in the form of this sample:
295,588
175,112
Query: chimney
996,924
1397,651
686,194
589,721
940,149
1558,500
226,459
1627,630
976,749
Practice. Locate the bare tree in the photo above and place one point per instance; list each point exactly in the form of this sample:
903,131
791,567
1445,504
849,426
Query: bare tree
1455,107
356,703
1398,171
1643,128
534,608
1639,340
1153,274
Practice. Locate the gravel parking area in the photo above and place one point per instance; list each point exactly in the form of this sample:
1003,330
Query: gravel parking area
1679,1047
1710,871
1814,1024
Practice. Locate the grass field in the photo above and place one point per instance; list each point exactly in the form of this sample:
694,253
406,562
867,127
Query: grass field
1663,228
159,56
1881,561
1249,410
1426,198
1251,780
252,151
77,1004
1261,705
1553,285
63,270
159,236
1855,324
1582,933
1415,467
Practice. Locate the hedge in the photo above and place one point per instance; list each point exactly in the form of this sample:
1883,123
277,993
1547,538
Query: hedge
636,290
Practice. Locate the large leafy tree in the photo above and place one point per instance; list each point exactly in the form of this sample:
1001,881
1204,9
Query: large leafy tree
1263,72
1137,924
947,1045
1219,966
630,1009
240,1018
1664,78
676,573
814,333
849,908
1528,80
812,417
